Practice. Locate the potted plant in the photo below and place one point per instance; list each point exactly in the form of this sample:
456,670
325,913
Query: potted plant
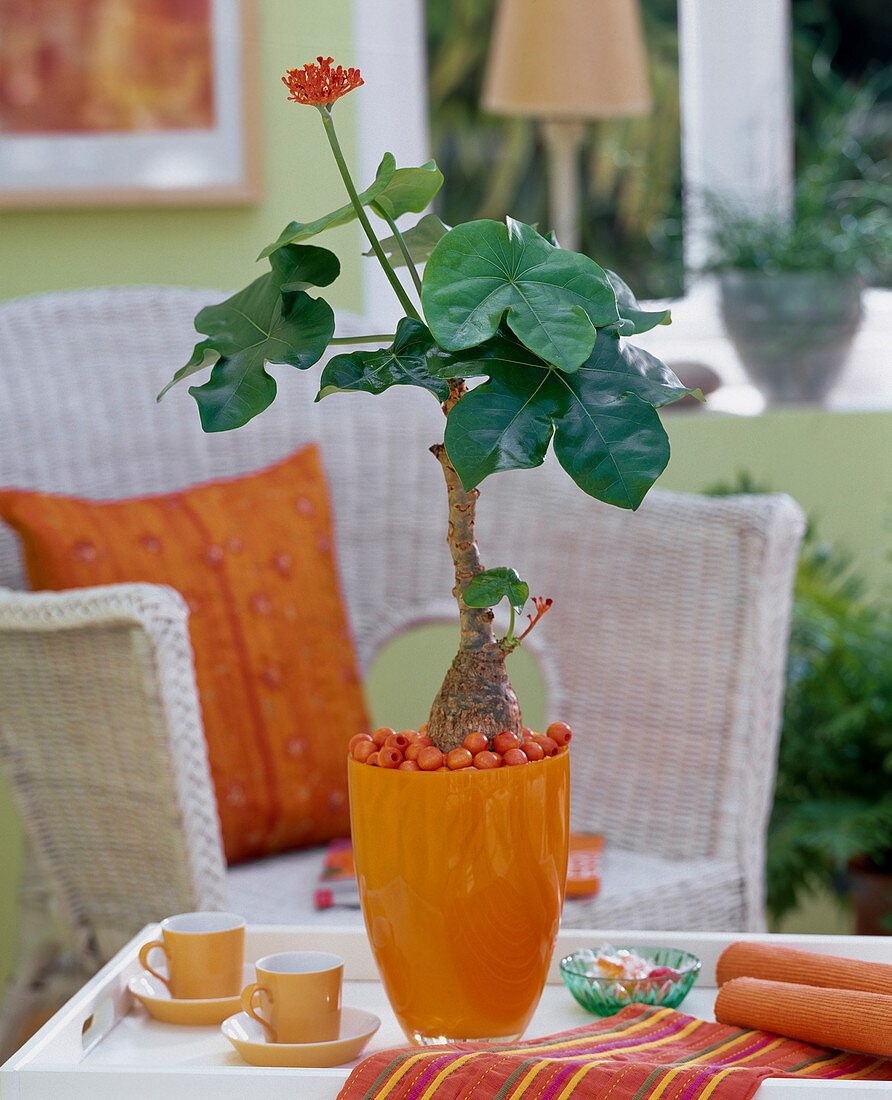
791,286
831,826
444,854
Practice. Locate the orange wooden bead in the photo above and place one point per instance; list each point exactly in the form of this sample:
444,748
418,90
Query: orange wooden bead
413,750
476,742
514,757
532,750
430,758
410,735
409,766
559,732
459,758
485,760
363,750
504,741
389,756
381,734
373,759
549,746
398,741
357,738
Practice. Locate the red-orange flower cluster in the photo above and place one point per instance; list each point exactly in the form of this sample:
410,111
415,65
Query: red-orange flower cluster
319,83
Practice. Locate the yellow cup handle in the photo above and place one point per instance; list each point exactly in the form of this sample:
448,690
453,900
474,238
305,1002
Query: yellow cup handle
144,960
249,994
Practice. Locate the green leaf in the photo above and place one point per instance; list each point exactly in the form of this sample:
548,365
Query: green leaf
203,355
614,448
552,300
295,232
409,189
271,320
503,424
486,589
299,267
420,239
616,367
612,444
504,349
405,363
249,330
634,319
238,389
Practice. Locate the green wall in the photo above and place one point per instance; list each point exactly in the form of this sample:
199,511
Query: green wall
836,465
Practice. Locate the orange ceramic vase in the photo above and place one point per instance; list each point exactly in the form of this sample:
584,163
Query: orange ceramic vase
461,876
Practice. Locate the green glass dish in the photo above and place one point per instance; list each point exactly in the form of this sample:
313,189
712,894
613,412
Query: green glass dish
604,996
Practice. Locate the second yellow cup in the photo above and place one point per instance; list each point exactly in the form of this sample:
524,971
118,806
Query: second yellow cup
300,995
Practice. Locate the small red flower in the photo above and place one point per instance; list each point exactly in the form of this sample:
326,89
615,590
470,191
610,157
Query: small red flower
319,83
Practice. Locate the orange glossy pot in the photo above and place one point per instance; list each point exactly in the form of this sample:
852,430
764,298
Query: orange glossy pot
461,876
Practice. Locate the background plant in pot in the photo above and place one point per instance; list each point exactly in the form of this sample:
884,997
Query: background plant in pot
791,286
545,329
831,823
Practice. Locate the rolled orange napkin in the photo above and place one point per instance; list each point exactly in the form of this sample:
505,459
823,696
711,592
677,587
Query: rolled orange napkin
848,1019
787,964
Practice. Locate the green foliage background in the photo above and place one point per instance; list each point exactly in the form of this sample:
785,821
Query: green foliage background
833,795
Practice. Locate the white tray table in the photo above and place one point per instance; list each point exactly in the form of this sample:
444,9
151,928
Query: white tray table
102,1045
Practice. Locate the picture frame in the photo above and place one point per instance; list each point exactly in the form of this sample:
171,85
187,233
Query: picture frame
133,103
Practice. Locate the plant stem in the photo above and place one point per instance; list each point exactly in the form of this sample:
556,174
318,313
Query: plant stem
407,256
405,300
374,339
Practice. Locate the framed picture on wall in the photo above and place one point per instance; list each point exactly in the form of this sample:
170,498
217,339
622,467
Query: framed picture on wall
126,103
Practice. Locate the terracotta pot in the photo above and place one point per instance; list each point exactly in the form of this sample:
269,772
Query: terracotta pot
461,877
871,893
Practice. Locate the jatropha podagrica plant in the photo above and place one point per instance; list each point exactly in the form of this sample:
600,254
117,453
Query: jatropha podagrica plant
545,328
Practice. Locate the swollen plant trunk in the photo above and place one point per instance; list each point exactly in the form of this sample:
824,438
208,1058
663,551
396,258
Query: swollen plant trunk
476,693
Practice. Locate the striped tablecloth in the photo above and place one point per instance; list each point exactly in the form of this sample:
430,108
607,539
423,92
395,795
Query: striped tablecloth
641,1053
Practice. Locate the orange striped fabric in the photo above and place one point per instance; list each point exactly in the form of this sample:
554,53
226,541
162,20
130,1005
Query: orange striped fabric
641,1053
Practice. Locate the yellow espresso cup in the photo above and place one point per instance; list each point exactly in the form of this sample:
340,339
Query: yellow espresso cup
300,993
205,955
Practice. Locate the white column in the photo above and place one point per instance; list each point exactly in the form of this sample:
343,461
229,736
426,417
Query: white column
736,110
392,115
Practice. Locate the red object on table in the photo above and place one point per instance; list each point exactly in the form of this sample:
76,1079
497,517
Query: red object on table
639,1052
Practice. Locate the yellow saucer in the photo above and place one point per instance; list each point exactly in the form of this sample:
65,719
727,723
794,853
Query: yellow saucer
247,1036
156,999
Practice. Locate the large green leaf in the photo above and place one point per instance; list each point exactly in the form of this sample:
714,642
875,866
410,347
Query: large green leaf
405,363
295,232
504,424
409,190
420,240
611,443
614,448
504,349
633,318
249,330
488,588
617,367
552,300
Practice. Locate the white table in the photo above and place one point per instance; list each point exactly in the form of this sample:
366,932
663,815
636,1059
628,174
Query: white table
102,1045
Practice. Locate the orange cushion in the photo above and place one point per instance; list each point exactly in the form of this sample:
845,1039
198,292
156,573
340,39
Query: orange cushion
274,659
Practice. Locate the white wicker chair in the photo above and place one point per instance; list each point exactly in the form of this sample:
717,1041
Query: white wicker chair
665,651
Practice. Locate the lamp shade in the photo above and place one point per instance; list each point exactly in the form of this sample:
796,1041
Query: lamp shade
567,59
